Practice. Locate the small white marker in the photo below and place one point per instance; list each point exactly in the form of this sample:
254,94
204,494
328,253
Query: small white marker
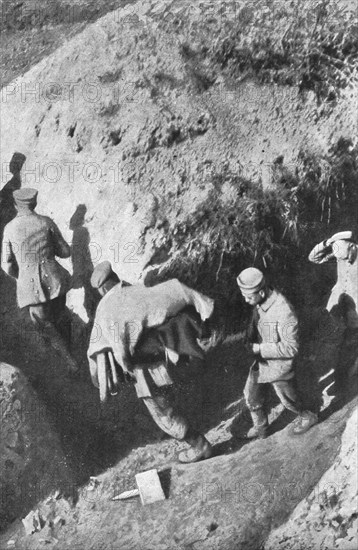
150,489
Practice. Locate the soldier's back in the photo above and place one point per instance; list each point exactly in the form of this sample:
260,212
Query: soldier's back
31,237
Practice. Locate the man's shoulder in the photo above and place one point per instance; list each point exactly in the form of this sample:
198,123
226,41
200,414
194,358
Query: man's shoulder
46,220
9,226
282,303
112,295
12,227
30,218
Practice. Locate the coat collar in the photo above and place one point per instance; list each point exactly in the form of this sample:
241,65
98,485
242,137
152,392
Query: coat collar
24,212
270,300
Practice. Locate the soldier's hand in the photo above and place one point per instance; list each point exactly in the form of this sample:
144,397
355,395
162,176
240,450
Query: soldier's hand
256,349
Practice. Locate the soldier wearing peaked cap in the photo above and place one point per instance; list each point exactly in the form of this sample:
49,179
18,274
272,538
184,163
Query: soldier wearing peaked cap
274,342
341,249
103,275
30,245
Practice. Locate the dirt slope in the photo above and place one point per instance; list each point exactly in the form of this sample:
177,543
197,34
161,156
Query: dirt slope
232,501
118,121
31,30
31,457
326,519
123,134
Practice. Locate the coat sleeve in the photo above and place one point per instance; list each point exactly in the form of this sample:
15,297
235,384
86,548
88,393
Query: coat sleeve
321,253
8,260
61,248
286,332
203,304
251,335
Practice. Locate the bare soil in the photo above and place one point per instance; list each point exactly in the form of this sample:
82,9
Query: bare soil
155,135
32,30
230,501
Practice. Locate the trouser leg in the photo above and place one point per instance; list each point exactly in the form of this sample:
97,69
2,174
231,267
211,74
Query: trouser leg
163,414
176,426
42,316
287,394
254,394
62,319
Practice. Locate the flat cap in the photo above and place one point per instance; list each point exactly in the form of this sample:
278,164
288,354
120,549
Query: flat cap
101,273
25,196
251,279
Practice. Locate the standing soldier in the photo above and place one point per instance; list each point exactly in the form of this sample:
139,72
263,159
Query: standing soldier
342,306
274,342
343,301
30,244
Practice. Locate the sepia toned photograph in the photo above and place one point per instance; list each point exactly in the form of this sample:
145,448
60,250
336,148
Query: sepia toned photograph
179,274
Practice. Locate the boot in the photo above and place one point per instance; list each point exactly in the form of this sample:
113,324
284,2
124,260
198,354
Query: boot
200,448
304,422
259,429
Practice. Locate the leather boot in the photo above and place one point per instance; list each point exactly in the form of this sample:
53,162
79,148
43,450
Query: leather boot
304,422
259,429
200,448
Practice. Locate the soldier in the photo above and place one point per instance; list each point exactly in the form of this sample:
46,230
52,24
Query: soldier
343,309
30,244
140,355
274,341
343,301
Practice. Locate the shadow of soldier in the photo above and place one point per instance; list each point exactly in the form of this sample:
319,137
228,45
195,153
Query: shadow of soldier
319,357
82,270
7,205
81,260
344,385
330,351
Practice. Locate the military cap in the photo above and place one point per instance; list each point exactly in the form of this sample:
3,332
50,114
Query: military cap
101,273
251,279
341,236
25,196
